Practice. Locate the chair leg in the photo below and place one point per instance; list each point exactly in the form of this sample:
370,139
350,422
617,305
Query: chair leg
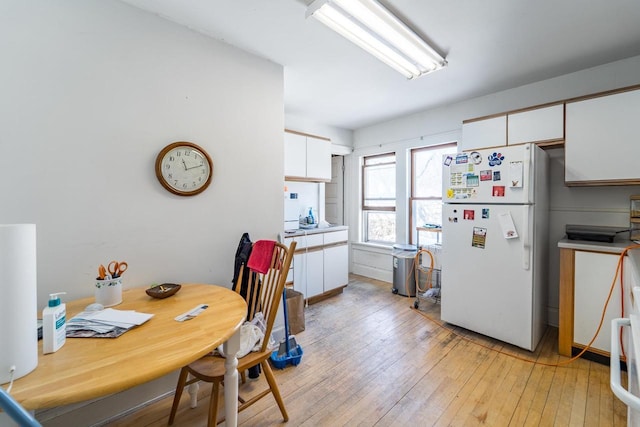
182,380
273,385
213,404
193,393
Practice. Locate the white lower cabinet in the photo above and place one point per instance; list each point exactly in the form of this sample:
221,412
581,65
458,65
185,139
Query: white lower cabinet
336,267
594,274
321,263
308,273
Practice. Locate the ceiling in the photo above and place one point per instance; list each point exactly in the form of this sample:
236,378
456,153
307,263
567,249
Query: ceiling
491,45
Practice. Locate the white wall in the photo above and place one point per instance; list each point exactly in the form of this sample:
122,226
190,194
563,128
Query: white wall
92,90
597,206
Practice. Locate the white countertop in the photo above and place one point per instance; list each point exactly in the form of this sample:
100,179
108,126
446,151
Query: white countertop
303,232
616,247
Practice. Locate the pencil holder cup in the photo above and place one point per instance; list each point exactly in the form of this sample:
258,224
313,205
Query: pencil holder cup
109,291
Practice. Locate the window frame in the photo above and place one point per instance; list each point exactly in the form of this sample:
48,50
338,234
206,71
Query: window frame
412,197
367,209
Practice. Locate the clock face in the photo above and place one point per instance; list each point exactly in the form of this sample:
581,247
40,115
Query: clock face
184,168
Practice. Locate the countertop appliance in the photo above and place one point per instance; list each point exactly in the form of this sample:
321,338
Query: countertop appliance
593,233
291,214
631,338
494,242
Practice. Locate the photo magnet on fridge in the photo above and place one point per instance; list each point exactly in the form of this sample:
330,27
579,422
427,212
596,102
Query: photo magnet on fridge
469,214
498,191
462,159
495,159
485,213
479,237
472,180
476,158
485,175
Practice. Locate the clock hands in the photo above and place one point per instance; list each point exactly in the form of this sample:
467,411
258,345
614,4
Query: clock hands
197,166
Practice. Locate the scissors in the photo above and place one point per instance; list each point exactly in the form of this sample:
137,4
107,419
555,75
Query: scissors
102,272
117,268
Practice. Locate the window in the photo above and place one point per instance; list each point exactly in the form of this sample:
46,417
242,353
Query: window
379,198
426,188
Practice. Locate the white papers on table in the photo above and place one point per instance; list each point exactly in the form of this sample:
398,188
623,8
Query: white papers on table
107,320
131,317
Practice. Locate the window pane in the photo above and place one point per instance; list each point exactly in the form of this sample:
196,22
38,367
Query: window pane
380,226
427,167
380,185
428,212
376,160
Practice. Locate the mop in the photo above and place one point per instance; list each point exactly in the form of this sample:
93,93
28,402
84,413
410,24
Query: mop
289,351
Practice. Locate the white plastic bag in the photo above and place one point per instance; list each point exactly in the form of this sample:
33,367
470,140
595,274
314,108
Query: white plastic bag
258,320
251,336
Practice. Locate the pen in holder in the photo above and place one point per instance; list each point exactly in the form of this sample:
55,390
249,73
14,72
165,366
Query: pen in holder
109,291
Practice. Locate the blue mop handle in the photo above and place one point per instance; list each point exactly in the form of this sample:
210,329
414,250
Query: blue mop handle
286,319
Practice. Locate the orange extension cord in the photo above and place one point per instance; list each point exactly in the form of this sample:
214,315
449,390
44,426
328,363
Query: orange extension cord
619,271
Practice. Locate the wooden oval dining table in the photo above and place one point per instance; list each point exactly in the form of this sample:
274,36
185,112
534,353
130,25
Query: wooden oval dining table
86,368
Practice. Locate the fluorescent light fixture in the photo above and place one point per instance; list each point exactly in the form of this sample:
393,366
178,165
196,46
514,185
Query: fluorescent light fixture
371,26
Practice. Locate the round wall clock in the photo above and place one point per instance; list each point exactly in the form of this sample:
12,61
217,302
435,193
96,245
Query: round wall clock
184,168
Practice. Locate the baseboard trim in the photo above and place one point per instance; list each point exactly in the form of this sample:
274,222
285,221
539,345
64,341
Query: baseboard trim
373,273
133,409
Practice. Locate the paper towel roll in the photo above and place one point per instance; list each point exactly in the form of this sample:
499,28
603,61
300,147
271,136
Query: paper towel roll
18,300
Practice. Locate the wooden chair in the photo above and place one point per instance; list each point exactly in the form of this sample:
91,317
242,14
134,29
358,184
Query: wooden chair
267,294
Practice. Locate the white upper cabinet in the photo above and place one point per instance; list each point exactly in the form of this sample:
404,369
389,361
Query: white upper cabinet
306,157
318,158
484,133
295,154
540,125
601,141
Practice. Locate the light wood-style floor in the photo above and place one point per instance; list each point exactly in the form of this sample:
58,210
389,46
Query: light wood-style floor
370,359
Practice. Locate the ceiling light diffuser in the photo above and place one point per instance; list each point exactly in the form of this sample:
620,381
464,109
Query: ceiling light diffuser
371,26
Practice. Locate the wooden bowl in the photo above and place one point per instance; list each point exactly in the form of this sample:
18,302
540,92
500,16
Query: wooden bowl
163,291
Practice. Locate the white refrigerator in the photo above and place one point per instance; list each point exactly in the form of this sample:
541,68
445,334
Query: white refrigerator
494,242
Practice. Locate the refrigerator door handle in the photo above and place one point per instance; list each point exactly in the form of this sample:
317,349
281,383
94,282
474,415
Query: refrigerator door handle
526,244
614,365
528,178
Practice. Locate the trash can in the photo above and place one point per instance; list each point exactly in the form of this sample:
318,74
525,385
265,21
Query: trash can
404,282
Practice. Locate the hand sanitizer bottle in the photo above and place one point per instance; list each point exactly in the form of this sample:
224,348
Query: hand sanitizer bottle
311,218
54,324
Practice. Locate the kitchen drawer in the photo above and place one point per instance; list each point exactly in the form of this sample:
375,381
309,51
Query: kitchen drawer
308,241
336,236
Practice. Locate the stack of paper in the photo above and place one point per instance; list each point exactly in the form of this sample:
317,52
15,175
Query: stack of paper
107,323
